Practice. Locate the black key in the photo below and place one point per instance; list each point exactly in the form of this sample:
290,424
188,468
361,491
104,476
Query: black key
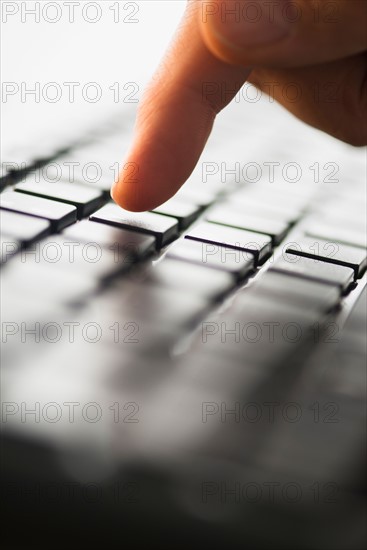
304,293
191,278
326,251
337,233
247,241
107,236
59,215
8,247
24,229
223,215
85,199
163,228
332,274
213,256
184,211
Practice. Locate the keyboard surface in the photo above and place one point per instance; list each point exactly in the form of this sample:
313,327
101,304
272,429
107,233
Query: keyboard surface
219,338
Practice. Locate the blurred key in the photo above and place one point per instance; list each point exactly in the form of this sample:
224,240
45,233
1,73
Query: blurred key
46,281
251,222
324,251
149,303
197,196
88,259
213,256
85,199
184,211
24,229
163,228
335,232
243,201
197,279
92,171
59,215
278,196
107,236
256,330
332,274
247,241
304,293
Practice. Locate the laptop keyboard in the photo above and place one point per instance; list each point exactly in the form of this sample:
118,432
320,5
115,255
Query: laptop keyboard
224,293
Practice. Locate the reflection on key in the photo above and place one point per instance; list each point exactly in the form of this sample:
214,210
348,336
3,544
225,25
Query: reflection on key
60,215
326,251
183,210
304,293
333,274
224,215
149,303
164,228
213,256
193,278
111,237
85,199
249,242
25,229
337,233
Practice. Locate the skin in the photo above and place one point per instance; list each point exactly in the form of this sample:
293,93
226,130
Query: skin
326,53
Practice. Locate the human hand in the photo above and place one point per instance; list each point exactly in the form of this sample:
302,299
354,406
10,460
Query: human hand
319,46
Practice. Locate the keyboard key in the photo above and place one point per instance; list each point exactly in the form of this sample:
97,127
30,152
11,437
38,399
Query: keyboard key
107,236
148,303
336,233
331,252
197,279
59,215
89,259
163,228
93,170
46,281
85,199
352,211
243,201
223,215
278,197
184,211
24,229
247,241
303,293
213,256
197,196
258,331
333,274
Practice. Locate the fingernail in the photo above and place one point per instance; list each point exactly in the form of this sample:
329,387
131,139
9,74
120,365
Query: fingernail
249,22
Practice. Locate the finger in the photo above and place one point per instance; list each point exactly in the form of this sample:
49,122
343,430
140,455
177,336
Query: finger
331,97
175,118
284,33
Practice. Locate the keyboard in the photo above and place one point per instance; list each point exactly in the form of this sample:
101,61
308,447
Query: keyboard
195,369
